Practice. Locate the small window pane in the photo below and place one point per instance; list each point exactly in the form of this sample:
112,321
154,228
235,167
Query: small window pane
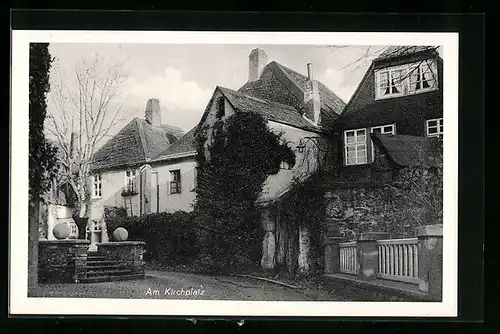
361,139
360,132
377,130
388,128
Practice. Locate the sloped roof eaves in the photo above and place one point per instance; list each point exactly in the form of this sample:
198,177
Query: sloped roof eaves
407,151
270,110
402,51
134,144
184,145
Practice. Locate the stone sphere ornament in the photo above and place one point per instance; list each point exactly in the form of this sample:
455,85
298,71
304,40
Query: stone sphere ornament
61,231
120,234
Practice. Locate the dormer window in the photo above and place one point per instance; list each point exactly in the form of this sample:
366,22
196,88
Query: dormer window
406,79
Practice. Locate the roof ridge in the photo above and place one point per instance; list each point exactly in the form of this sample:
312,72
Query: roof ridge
142,138
283,69
258,98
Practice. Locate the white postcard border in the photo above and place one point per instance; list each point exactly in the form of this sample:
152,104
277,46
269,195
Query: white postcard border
21,304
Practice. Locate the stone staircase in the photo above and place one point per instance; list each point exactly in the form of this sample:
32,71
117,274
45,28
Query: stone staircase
100,269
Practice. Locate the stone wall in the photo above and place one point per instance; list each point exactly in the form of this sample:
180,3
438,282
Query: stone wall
62,261
369,208
129,253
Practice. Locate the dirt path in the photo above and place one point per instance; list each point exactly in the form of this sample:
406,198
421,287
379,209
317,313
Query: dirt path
175,285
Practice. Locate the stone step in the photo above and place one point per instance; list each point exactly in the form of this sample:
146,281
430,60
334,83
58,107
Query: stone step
99,266
97,279
108,272
92,263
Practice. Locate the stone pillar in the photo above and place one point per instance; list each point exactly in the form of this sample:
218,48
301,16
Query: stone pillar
51,221
332,261
304,245
269,242
367,253
93,237
430,260
104,232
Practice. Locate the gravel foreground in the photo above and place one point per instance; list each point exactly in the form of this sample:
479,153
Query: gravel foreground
175,285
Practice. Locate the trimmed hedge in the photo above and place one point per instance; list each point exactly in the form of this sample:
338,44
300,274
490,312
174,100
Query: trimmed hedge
170,237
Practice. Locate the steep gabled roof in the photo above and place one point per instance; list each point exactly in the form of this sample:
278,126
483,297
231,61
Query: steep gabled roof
270,110
137,142
398,51
409,151
294,82
185,145
330,102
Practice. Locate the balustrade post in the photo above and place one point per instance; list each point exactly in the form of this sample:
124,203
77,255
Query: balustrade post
332,255
367,253
430,260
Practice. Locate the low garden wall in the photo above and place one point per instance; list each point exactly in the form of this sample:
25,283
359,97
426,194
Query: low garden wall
62,261
376,267
129,253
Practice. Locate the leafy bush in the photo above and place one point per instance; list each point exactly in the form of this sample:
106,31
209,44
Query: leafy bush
170,237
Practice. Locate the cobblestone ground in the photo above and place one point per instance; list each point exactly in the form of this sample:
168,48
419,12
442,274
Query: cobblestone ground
161,284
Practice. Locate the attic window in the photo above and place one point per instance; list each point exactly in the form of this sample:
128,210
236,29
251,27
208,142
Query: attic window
417,77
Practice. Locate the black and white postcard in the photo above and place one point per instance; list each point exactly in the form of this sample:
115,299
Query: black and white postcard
234,173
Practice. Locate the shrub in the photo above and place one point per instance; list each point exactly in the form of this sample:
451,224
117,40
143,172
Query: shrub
170,237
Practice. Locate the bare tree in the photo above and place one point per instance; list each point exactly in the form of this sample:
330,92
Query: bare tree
86,106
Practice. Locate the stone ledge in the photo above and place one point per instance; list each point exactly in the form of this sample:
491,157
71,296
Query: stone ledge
121,243
379,289
64,242
430,231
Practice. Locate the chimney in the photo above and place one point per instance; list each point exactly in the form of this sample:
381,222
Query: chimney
257,62
153,113
312,102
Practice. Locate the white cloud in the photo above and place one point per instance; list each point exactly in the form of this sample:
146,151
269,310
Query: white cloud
182,101
335,80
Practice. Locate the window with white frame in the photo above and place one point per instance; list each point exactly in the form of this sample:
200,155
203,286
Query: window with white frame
129,180
175,181
406,79
434,127
96,185
355,147
384,129
422,76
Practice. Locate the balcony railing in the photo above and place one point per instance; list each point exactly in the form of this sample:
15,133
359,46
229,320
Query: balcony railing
398,260
348,263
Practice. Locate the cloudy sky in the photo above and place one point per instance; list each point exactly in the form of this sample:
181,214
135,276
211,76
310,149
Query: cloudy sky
183,77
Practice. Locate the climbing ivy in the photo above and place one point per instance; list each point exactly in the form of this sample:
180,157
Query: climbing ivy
42,155
234,157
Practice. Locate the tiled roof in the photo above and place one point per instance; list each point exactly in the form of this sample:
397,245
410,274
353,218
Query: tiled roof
185,144
331,104
270,110
408,151
136,143
396,51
